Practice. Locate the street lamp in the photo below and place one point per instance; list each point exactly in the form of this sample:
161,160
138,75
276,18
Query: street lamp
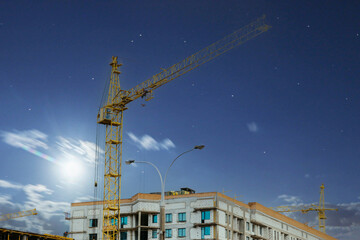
162,202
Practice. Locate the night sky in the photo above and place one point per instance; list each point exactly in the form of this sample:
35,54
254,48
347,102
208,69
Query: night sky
279,115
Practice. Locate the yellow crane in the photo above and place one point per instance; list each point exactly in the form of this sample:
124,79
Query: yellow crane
320,209
8,216
111,114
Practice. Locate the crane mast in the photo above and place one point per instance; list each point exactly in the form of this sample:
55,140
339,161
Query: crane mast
320,209
111,114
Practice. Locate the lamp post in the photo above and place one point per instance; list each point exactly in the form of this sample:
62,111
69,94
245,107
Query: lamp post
162,202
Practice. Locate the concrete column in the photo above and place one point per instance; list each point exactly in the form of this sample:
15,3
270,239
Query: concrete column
139,227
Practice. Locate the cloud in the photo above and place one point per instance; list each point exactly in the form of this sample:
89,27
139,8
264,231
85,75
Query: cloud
50,212
29,138
253,127
6,184
149,143
87,198
79,149
73,149
292,200
6,200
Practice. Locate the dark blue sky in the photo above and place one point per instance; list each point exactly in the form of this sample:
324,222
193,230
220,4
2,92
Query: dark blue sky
278,115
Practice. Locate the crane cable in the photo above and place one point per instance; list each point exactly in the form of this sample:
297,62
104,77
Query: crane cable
97,159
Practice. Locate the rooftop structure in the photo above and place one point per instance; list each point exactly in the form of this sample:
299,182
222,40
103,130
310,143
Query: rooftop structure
208,215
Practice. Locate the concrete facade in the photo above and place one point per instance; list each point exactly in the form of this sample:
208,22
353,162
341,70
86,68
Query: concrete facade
191,216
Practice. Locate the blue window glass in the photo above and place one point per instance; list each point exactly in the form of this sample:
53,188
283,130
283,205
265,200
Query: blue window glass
114,220
168,233
182,217
205,231
154,234
181,232
205,215
154,218
124,220
123,235
168,217
93,223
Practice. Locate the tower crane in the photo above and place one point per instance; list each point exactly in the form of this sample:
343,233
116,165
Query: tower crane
320,209
8,216
112,111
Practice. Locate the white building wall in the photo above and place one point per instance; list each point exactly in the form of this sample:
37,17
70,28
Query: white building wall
192,206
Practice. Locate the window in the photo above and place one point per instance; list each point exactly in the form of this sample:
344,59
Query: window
154,233
93,223
247,238
123,235
253,227
168,217
205,215
93,236
247,226
154,218
181,232
226,219
205,231
182,217
124,220
168,233
260,230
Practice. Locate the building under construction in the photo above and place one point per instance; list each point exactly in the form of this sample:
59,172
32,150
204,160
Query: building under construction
191,215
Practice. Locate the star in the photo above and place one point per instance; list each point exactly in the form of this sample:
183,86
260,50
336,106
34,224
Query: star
140,35
232,95
298,84
29,109
132,41
184,41
92,78
308,26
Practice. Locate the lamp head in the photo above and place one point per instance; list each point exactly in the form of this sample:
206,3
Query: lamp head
199,147
129,162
